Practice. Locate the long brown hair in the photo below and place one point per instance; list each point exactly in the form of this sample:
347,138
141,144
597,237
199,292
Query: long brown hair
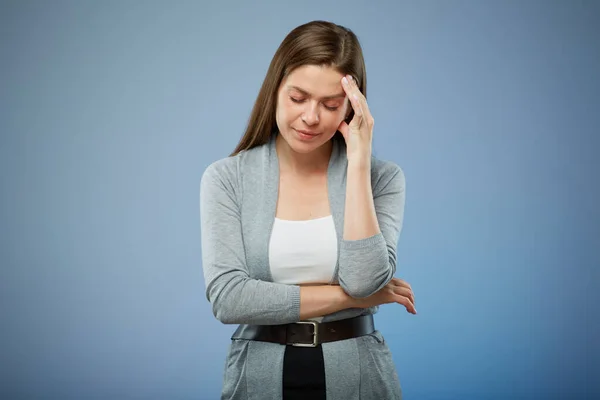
319,43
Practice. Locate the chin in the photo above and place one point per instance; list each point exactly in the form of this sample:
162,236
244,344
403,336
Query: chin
304,148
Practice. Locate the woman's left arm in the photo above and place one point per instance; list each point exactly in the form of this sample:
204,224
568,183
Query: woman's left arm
372,225
374,207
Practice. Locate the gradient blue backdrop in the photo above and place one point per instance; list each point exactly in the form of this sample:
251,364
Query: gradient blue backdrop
111,110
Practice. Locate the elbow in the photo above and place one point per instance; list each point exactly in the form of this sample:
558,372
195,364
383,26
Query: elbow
224,313
365,288
224,310
366,267
224,298
225,319
357,291
362,284
361,288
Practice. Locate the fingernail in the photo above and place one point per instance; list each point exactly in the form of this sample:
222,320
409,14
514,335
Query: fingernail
345,80
350,77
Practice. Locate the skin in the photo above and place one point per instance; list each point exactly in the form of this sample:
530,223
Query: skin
302,105
316,100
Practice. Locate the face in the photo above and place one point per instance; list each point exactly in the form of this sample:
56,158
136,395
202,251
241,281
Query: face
311,104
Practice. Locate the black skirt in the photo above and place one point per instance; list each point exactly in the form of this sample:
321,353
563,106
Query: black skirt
303,373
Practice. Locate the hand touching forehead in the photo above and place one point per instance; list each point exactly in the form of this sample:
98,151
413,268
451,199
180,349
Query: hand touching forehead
319,83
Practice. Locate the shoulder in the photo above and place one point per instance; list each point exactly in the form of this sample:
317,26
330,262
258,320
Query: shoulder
220,173
227,172
386,174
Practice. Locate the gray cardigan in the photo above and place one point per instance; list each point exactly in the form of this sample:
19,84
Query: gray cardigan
238,198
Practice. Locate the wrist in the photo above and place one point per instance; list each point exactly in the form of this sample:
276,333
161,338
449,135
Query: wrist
360,163
345,300
348,301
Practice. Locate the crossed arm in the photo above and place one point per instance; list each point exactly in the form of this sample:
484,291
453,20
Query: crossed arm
367,265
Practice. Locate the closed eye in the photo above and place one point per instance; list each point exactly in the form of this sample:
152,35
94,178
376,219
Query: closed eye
295,100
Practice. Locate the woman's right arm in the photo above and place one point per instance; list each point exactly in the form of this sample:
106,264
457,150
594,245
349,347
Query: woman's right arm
235,297
238,299
322,300
316,301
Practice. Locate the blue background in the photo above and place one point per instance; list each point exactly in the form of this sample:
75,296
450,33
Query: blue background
111,110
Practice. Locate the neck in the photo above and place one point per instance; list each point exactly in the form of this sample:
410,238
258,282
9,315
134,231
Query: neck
315,161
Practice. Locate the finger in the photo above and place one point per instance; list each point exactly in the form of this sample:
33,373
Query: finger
406,293
343,128
401,283
403,288
405,301
353,93
362,100
397,281
357,105
358,120
353,86
354,99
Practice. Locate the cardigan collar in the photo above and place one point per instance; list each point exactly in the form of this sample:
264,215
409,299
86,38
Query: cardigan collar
336,185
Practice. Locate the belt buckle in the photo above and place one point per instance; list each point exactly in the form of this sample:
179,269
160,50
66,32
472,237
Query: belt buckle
315,335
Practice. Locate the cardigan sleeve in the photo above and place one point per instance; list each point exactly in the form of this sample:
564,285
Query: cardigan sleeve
367,265
235,297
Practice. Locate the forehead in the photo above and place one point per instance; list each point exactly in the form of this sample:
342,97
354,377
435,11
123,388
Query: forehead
318,81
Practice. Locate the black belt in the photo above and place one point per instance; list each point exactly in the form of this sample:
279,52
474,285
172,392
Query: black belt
308,333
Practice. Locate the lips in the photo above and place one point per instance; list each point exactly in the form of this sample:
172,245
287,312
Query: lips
309,133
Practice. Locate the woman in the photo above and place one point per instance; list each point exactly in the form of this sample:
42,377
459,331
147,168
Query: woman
299,231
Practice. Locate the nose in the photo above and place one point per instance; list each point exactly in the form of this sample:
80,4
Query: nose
311,114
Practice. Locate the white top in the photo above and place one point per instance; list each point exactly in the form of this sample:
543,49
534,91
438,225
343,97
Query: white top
303,252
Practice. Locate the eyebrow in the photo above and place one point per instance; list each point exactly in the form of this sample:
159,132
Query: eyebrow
304,92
